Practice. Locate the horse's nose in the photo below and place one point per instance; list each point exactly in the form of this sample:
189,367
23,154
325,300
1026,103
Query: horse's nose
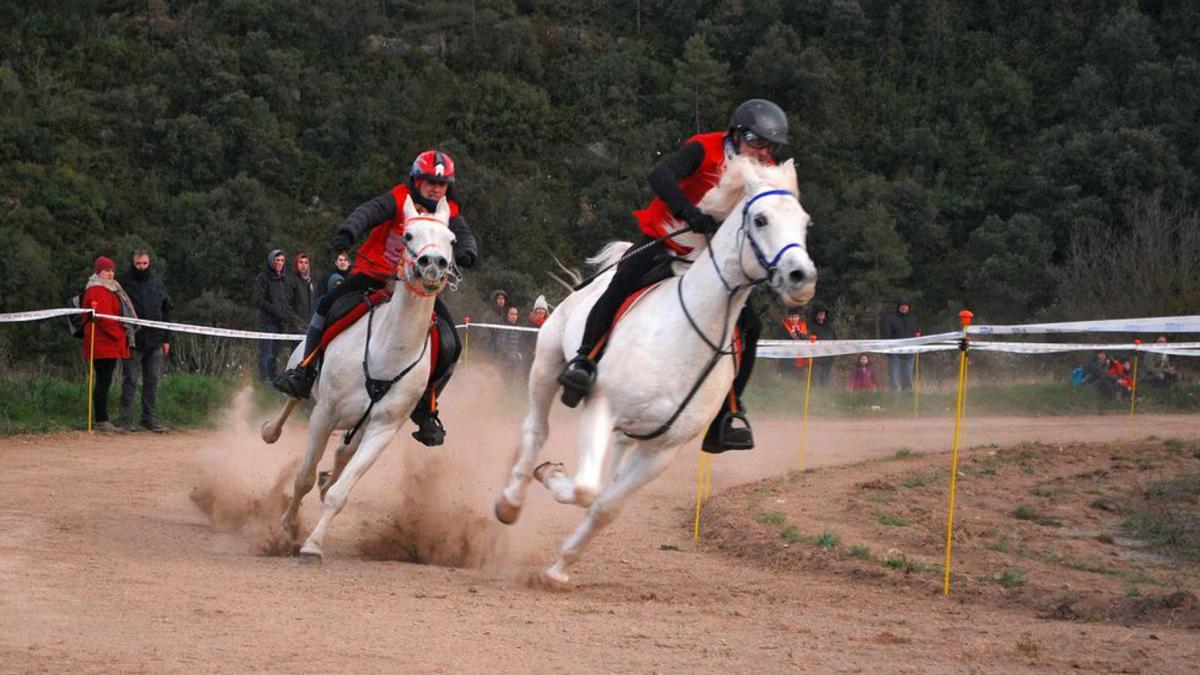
432,263
797,277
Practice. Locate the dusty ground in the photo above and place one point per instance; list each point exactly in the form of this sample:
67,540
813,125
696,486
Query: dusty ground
107,562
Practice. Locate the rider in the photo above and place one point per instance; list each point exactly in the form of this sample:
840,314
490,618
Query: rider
679,181
430,179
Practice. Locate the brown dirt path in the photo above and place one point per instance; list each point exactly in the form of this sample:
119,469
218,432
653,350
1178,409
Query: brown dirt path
106,564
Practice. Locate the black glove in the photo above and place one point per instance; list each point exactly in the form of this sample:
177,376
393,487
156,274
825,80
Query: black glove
699,221
465,259
342,241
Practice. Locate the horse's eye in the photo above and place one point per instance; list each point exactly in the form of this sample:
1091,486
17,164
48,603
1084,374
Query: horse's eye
407,236
760,220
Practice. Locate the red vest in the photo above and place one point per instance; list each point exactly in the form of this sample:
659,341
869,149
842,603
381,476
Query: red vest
656,219
382,252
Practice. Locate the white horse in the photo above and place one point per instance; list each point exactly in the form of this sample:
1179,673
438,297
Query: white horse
658,351
398,341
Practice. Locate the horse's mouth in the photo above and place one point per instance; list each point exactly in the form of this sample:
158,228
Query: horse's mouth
799,295
433,285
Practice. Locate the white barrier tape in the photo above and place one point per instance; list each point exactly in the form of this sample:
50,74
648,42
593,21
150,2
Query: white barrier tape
206,330
498,326
784,349
787,349
1178,348
1165,324
40,314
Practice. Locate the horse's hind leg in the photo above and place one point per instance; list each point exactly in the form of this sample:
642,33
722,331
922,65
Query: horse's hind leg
543,386
319,427
641,468
376,439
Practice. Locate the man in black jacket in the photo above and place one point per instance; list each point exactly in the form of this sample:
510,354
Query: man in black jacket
151,345
820,324
301,290
899,325
270,296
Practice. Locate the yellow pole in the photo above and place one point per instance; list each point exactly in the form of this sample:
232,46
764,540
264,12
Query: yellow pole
965,317
708,475
917,382
467,339
91,367
1133,390
807,395
699,494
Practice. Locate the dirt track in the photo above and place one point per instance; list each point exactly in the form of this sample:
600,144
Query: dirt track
106,564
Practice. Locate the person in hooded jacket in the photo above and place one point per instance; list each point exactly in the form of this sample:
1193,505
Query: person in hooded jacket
150,345
497,307
820,325
302,288
431,178
270,296
105,341
899,325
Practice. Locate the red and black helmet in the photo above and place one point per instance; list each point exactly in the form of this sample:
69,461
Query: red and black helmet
433,165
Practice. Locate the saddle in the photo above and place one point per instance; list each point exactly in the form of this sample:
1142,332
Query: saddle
443,343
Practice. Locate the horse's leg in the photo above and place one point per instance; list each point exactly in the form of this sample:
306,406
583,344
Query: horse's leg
621,446
641,468
272,428
319,426
341,457
543,386
374,441
595,433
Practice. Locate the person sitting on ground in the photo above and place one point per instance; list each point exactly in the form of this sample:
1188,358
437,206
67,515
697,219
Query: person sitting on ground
105,341
1159,370
381,220
1097,371
680,181
863,377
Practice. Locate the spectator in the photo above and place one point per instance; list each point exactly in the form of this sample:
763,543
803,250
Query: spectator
1159,370
794,328
105,340
899,325
497,310
274,315
150,345
1098,372
1121,369
863,378
821,325
301,290
539,313
506,343
336,277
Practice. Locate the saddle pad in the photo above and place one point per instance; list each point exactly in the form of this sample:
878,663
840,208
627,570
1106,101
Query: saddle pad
356,311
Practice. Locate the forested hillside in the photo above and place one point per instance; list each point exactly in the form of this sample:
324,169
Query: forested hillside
1028,159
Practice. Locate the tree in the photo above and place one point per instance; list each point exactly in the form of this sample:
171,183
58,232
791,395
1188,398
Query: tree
700,90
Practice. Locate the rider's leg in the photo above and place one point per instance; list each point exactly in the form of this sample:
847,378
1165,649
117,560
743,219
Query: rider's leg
298,381
429,428
730,430
580,371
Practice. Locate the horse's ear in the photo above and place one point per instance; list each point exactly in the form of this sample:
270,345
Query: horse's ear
443,210
409,209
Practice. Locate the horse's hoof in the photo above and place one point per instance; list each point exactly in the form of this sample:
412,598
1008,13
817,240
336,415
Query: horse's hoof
546,469
310,558
553,580
506,511
269,432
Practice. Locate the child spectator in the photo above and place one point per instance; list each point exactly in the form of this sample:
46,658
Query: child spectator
863,378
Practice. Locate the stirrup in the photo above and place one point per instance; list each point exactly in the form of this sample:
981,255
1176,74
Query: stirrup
576,380
723,435
296,382
430,431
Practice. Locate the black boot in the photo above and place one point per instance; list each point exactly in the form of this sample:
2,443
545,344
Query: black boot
429,428
729,431
576,380
298,382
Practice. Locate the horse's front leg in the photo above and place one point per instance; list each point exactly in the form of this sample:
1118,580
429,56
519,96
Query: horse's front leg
542,388
319,426
375,439
642,467
341,457
595,435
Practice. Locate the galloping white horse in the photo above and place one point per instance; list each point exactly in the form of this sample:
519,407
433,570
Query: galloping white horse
398,342
659,350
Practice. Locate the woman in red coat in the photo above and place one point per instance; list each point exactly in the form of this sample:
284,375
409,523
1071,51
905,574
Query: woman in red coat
109,339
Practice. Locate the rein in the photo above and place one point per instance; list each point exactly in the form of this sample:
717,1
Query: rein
718,349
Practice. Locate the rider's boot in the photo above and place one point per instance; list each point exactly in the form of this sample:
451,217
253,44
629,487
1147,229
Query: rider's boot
730,430
298,382
577,379
429,431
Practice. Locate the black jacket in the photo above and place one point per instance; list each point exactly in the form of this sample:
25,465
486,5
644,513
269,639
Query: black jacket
151,302
897,325
823,331
301,294
384,208
270,296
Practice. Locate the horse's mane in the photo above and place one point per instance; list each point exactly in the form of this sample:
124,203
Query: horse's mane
721,200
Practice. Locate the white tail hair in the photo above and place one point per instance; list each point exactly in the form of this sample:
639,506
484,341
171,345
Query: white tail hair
610,254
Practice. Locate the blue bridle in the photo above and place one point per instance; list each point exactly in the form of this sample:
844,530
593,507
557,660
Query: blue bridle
767,265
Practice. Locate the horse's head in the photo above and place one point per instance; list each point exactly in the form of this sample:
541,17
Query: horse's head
766,227
428,262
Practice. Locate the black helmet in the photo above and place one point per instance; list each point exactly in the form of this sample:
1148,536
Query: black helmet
761,118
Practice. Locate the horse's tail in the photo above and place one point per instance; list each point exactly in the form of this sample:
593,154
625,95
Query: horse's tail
610,254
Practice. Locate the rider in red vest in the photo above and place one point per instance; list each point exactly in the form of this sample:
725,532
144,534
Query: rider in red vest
382,220
679,181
